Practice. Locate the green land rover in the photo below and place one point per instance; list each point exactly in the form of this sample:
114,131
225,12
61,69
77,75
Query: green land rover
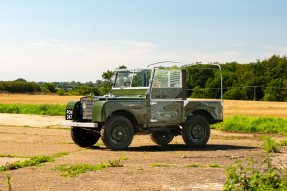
148,100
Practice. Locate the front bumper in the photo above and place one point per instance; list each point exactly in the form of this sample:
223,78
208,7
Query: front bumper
79,124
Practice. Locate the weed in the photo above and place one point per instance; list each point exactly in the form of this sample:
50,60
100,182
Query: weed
162,165
210,165
31,162
60,154
269,145
145,152
175,142
99,144
8,180
283,143
66,143
124,158
141,168
195,165
215,165
240,178
13,156
78,169
175,152
115,163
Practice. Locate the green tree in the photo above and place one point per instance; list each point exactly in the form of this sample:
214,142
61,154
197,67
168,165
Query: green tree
49,87
20,80
107,76
122,67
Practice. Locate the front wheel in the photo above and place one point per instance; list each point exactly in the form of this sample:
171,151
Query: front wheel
83,138
117,133
196,131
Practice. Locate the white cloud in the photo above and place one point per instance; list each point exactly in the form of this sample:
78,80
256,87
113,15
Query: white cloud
58,61
282,49
239,44
54,40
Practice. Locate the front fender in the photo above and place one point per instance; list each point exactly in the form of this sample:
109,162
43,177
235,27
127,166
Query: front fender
75,106
98,115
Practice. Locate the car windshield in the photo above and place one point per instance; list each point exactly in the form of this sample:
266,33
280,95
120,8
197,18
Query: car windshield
132,78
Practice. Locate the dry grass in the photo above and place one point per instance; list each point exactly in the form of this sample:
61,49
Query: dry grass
36,99
231,107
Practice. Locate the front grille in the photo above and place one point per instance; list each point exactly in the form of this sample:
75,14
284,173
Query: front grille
87,106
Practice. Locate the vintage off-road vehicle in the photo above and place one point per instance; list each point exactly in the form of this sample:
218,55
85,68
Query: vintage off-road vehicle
147,100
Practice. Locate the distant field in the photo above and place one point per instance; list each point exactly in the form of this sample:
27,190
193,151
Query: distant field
36,99
231,107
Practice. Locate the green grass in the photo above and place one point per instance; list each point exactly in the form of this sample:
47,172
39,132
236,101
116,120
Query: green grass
162,165
75,170
42,109
124,158
283,143
195,165
215,165
99,144
31,162
66,143
13,156
210,165
141,168
60,154
253,124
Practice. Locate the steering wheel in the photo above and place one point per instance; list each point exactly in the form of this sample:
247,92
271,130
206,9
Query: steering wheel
125,84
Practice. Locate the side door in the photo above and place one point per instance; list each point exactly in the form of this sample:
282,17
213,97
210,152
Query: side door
166,97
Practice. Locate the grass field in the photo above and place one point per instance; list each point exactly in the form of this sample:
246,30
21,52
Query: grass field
231,107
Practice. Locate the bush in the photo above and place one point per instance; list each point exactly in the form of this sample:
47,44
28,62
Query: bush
61,92
19,86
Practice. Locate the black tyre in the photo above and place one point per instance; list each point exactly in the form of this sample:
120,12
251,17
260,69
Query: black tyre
83,138
117,133
161,137
196,131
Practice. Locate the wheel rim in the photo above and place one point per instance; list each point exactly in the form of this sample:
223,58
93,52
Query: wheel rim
119,133
198,132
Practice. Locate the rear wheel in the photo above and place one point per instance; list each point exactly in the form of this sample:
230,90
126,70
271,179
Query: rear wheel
196,131
83,138
117,133
161,137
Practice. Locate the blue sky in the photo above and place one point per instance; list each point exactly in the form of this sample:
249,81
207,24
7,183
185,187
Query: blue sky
68,40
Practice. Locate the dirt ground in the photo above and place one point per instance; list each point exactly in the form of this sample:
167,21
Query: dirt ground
17,137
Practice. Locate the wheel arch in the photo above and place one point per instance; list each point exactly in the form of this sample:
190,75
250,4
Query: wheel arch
128,115
205,114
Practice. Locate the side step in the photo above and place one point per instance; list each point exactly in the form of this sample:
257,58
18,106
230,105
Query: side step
79,124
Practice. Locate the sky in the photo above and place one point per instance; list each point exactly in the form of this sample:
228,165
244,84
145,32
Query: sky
78,40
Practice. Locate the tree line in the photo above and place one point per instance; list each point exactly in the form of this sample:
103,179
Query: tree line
269,77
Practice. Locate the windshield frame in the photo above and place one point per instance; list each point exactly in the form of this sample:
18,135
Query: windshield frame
133,72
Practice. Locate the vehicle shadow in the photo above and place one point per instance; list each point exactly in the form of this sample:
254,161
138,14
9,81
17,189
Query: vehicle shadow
181,147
